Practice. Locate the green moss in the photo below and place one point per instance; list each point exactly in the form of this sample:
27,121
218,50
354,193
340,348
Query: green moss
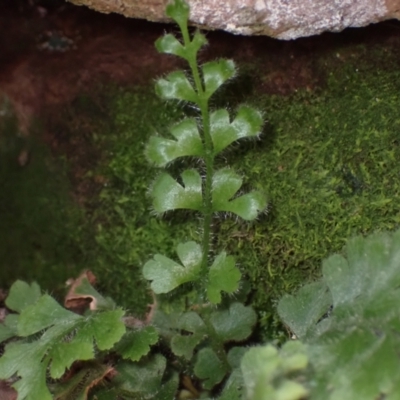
328,160
39,225
127,232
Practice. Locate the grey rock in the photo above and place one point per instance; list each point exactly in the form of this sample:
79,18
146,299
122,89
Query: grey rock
281,19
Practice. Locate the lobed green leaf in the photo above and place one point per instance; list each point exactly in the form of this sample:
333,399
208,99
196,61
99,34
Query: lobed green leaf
142,377
234,324
161,151
303,311
176,86
136,343
169,195
43,314
215,74
167,274
170,45
62,338
247,124
24,360
223,276
9,327
209,368
352,347
178,10
265,371
106,328
225,185
21,295
183,345
233,387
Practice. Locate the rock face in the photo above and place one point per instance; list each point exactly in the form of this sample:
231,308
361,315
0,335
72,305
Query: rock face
281,19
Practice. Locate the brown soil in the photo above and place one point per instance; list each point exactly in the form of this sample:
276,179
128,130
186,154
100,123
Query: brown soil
111,48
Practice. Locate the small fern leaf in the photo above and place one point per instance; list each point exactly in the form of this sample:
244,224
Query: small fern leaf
216,73
169,195
224,276
170,45
176,86
247,124
161,151
62,338
167,274
225,185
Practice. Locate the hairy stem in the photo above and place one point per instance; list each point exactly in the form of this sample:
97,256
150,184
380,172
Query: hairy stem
209,156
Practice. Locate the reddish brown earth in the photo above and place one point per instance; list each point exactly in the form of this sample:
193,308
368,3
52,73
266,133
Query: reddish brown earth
111,48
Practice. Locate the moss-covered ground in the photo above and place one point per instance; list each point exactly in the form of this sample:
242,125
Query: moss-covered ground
39,223
328,160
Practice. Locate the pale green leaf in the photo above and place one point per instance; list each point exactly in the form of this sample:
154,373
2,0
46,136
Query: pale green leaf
247,124
168,389
352,347
170,45
191,322
22,295
209,368
233,387
161,151
136,343
223,276
235,355
178,10
265,372
372,266
197,42
44,313
143,377
106,328
226,182
167,274
65,353
366,364
302,311
61,338
290,390
216,73
168,194
225,185
194,332
184,345
247,206
234,324
24,360
176,86
6,333
294,357
9,327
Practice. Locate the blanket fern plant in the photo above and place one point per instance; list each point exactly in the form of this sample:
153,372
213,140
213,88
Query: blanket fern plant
205,321
191,343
